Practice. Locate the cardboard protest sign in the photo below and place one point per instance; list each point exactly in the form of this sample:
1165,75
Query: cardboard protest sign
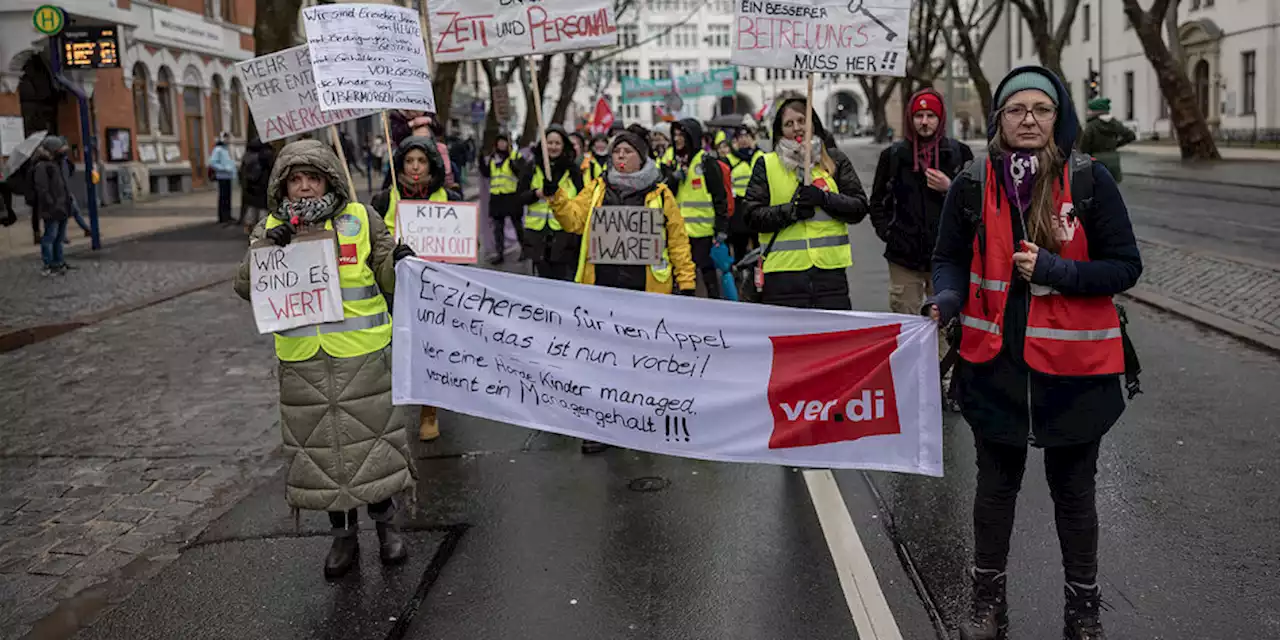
670,374
627,236
295,285
281,91
440,231
368,56
713,82
861,37
477,29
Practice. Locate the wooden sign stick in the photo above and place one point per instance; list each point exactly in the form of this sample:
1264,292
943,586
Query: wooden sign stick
537,111
342,156
808,132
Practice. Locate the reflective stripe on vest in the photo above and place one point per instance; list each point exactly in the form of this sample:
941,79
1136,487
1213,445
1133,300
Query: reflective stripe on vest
661,273
539,213
393,203
695,201
820,242
502,178
1066,335
742,173
366,325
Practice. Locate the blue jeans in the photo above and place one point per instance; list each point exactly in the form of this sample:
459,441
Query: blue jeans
75,213
51,242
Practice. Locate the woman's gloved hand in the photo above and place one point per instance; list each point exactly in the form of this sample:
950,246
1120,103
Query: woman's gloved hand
401,252
281,235
808,195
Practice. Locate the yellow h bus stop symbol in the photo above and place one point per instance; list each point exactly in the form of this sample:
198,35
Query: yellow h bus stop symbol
48,20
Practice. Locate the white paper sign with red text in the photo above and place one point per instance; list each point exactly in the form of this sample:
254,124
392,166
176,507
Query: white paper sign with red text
295,285
860,37
477,29
440,231
681,376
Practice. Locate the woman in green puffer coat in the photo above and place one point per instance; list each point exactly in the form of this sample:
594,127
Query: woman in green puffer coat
344,440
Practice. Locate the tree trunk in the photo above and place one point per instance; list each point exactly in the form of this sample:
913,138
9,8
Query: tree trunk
573,65
530,132
877,102
971,52
491,124
442,83
275,25
1195,140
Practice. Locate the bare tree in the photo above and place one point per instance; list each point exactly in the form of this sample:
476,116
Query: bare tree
972,32
443,80
491,124
878,89
1048,36
928,27
1194,138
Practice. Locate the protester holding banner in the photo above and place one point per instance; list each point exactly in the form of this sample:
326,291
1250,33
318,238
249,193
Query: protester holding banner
804,227
697,179
1030,267
501,168
742,162
344,439
554,251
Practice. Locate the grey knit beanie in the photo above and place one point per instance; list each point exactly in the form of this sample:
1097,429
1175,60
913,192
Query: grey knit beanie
1027,80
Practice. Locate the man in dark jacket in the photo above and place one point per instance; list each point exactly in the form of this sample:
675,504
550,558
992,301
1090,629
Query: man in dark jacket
696,177
1103,135
255,174
52,202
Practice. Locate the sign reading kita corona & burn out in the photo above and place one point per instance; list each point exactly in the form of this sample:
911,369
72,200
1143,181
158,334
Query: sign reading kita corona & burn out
476,29
861,37
440,231
281,91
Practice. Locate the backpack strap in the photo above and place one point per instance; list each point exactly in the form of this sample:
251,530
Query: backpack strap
1081,165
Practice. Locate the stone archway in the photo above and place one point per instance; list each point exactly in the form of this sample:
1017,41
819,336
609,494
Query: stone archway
844,113
1202,45
38,93
740,104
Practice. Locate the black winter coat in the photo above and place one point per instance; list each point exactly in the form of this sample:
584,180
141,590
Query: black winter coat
904,210
50,191
548,245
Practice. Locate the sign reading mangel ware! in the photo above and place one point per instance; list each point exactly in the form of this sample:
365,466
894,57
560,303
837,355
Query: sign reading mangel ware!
627,236
861,37
281,91
440,231
295,285
368,56
670,374
476,29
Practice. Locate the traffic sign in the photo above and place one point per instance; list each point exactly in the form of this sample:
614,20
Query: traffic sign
49,20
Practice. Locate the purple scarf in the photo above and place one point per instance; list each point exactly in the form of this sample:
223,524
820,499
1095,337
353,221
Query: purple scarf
1019,170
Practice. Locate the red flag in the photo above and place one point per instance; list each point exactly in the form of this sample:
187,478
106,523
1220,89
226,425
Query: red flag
602,118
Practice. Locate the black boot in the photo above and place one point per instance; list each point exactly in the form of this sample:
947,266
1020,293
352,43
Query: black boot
1080,615
989,616
391,547
344,553
590,446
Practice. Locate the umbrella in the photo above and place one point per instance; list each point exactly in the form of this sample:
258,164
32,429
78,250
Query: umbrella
727,121
22,152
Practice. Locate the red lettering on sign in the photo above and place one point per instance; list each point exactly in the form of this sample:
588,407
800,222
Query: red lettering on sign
463,29
568,27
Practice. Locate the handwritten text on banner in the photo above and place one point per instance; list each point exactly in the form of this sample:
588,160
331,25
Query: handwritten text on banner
368,56
295,285
669,374
440,231
861,37
281,92
475,29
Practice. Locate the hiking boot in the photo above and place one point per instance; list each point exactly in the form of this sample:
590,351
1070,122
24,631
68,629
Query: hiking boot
428,425
1080,615
344,553
590,447
391,546
989,615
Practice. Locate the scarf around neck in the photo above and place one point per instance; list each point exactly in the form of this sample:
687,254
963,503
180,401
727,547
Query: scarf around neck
309,210
792,153
629,183
1019,170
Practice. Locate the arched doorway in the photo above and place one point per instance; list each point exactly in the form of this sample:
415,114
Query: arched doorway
740,104
1200,78
38,95
193,116
844,114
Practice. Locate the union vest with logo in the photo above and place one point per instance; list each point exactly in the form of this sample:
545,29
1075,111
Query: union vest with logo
695,201
820,241
539,214
1067,335
365,326
394,201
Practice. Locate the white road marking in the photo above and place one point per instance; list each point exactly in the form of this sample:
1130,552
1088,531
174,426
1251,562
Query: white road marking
871,614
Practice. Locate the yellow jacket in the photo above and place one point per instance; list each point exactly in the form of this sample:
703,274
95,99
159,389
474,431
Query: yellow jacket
574,214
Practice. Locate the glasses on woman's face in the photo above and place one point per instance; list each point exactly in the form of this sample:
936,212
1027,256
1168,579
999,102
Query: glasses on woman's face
1017,113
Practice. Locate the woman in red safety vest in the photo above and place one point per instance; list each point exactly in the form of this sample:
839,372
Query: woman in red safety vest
1032,244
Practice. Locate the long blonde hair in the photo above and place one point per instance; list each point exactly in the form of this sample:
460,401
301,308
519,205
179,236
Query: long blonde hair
1041,216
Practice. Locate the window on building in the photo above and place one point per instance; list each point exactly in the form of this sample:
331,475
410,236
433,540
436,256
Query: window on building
718,35
164,100
687,36
141,104
658,71
228,10
1195,4
1208,3
1086,28
1248,84
1128,95
663,35
215,106
628,69
211,8
628,35
237,109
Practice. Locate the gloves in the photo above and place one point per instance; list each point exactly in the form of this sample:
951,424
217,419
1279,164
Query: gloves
721,237
686,292
549,189
808,195
803,212
281,235
401,252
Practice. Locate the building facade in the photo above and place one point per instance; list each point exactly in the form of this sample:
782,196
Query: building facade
1231,50
155,119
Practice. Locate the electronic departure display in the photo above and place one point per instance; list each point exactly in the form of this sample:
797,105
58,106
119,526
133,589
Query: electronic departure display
90,48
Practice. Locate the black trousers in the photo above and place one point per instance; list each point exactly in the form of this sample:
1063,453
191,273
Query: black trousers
1071,472
555,270
224,201
378,512
701,250
499,219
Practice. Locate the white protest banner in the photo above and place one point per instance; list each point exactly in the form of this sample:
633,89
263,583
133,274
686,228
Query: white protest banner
281,91
368,56
670,374
861,37
627,236
295,285
440,231
477,29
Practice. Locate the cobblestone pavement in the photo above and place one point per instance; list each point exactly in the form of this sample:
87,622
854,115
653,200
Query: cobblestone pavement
126,438
1243,292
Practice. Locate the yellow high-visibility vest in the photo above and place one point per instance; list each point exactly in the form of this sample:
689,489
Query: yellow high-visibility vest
502,177
661,273
390,216
539,214
820,241
365,326
695,201
741,171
